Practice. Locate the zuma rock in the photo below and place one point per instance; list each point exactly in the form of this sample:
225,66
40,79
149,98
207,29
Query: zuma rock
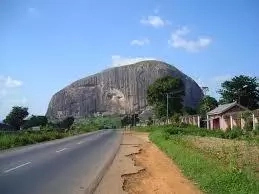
118,90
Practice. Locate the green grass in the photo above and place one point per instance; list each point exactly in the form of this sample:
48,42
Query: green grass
21,138
91,124
210,174
219,162
9,140
251,136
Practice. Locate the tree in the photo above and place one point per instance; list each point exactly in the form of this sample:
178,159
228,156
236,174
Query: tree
207,104
126,120
243,89
35,121
16,117
189,111
66,123
157,96
130,120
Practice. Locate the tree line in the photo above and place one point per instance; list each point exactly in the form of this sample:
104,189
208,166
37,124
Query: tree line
16,119
169,91
165,95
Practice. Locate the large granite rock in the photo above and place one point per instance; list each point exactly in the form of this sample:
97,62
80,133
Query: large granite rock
117,90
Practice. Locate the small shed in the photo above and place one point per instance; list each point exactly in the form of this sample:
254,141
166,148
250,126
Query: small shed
221,117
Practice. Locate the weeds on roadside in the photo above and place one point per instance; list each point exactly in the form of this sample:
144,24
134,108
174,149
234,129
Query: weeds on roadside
210,174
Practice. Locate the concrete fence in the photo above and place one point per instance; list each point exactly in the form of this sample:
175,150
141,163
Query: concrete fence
192,120
242,119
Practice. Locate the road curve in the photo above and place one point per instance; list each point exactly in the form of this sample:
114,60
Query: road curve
65,166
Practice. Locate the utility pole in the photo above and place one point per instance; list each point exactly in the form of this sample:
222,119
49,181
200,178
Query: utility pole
167,106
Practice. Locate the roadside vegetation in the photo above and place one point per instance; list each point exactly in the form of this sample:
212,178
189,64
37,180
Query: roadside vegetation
52,131
218,162
20,131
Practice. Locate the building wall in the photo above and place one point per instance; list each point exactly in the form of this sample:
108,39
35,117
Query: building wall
224,119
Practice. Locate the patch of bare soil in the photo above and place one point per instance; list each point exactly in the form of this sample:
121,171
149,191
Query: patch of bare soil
160,174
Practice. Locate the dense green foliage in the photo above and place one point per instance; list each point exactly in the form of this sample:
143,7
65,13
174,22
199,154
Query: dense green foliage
95,123
35,121
207,104
157,96
130,120
243,89
189,111
16,117
184,129
211,175
66,123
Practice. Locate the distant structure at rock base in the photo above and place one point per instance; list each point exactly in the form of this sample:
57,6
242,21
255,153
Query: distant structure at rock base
120,90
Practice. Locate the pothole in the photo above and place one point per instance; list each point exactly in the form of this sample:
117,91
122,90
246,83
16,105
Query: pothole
131,180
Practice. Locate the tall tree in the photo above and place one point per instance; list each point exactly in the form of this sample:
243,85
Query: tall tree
243,89
16,117
157,96
207,104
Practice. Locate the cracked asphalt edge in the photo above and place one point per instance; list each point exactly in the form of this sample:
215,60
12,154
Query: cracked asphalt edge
123,165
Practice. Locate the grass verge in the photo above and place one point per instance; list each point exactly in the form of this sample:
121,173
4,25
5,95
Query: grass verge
211,175
218,162
9,140
48,133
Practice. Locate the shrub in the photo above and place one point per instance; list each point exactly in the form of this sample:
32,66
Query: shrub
176,118
150,121
234,133
66,123
183,129
35,121
247,116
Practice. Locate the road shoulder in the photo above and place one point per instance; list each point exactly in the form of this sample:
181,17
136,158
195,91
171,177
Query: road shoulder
140,167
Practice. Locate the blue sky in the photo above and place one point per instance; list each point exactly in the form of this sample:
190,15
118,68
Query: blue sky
47,44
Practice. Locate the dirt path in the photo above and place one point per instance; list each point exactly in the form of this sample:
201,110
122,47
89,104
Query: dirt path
160,174
141,168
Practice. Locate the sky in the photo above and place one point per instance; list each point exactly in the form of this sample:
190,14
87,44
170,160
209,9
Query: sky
47,44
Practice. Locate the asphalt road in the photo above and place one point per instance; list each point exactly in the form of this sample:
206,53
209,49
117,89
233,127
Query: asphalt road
63,166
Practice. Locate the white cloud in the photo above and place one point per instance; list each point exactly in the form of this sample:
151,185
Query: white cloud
8,82
10,95
11,83
117,60
141,42
155,21
178,40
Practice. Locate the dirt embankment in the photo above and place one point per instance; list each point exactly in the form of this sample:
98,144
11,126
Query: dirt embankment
160,174
141,168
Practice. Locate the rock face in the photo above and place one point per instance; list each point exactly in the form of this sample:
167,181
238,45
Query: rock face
117,90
